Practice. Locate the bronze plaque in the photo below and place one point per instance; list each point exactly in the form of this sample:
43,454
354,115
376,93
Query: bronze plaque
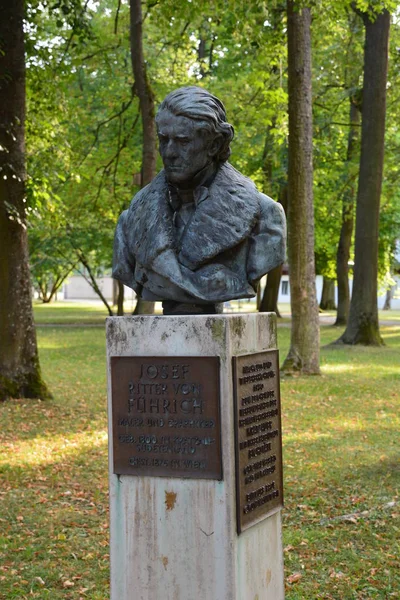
166,416
259,484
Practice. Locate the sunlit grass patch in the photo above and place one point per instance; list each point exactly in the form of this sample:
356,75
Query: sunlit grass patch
69,312
53,472
47,449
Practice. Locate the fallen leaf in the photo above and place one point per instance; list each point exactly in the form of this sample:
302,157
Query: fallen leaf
294,578
336,574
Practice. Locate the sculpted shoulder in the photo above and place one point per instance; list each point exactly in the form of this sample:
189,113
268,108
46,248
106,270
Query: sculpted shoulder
236,182
156,186
245,189
272,210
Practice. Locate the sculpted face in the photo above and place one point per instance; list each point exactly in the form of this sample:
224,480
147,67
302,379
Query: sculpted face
184,147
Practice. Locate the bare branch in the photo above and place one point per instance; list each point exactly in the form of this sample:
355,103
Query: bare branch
116,17
71,37
149,7
90,278
100,51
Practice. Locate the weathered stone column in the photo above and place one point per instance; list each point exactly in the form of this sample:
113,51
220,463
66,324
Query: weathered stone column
176,538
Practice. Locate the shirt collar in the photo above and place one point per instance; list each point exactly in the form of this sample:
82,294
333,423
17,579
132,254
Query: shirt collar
200,193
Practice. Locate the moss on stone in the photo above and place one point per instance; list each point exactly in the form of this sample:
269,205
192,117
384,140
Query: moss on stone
217,327
238,326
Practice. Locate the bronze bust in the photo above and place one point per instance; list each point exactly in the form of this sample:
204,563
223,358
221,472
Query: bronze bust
200,233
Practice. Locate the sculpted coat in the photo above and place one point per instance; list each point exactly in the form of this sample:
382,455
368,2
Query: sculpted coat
235,236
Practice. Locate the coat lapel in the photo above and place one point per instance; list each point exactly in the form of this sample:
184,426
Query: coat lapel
150,229
221,221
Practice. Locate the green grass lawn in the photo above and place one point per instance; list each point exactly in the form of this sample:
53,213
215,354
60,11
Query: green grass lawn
94,313
61,313
341,458
341,467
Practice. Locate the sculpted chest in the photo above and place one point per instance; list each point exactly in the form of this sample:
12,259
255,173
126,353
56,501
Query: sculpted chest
223,219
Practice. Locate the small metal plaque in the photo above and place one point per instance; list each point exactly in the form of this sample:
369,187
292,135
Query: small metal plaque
166,416
258,437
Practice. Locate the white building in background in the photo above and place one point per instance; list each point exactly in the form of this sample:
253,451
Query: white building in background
284,291
77,288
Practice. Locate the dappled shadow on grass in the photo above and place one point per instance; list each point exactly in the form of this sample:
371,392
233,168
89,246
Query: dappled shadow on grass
339,517
385,466
339,451
389,333
55,517
53,471
46,449
54,538
339,432
340,458
74,367
73,339
26,420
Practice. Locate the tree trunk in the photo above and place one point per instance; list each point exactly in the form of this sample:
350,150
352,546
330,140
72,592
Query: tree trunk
91,279
269,302
363,324
328,294
143,307
147,110
145,94
19,363
58,283
258,297
303,354
346,232
43,289
388,298
120,301
115,289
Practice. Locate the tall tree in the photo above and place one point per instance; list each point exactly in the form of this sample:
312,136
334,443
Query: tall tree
147,111
304,344
327,301
19,363
363,324
346,230
269,301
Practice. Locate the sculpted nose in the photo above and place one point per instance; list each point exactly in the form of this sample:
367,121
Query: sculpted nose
170,149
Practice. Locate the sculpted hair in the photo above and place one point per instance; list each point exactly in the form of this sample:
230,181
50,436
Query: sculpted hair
196,103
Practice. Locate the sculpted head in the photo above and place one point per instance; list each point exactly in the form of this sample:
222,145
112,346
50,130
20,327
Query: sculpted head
193,133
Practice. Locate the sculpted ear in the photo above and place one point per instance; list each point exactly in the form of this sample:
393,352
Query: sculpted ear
215,145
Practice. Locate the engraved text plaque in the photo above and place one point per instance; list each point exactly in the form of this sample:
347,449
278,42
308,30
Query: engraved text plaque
166,416
258,438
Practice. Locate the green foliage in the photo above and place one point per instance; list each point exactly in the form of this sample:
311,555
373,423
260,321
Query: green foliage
84,132
52,261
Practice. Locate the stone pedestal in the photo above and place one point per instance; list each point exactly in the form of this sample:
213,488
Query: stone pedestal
176,538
